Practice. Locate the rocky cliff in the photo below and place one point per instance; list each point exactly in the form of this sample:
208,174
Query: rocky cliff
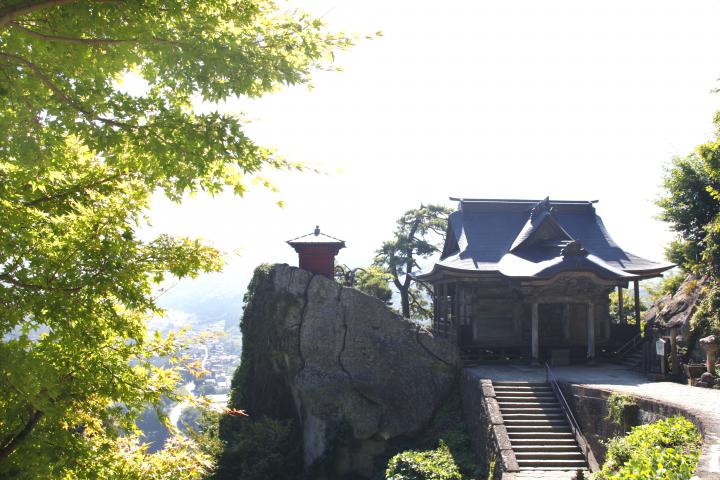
677,310
349,373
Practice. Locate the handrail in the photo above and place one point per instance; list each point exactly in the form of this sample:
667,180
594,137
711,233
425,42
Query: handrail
626,347
574,426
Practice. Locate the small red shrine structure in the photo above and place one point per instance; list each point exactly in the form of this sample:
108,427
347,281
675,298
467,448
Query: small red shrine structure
317,251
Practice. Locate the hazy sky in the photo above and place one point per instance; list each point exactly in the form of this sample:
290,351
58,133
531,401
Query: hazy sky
495,99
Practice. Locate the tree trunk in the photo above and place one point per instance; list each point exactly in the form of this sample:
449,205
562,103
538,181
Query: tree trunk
405,301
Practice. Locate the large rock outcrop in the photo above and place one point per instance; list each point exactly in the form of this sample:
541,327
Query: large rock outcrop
677,310
674,313
352,374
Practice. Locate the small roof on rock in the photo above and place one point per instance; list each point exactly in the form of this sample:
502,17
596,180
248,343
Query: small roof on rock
316,238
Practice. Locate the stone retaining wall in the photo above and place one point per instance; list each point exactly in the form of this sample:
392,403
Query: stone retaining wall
484,423
589,405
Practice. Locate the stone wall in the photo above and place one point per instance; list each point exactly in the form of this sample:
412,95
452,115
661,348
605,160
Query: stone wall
484,423
590,408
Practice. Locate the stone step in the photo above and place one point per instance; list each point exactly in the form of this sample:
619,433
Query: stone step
520,383
542,473
543,464
533,416
523,393
549,455
535,422
512,397
509,405
545,443
536,447
549,409
541,434
521,388
550,427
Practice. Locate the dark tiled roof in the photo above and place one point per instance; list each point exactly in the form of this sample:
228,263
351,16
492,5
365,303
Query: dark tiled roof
525,238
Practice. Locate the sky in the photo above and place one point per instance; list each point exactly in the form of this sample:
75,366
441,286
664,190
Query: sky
484,99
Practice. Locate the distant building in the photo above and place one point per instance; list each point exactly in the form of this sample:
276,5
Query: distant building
531,279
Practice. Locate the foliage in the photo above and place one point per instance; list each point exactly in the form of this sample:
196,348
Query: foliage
266,444
205,431
706,320
689,207
448,427
374,281
435,464
80,156
692,207
419,234
668,450
238,384
261,449
669,285
371,280
616,405
628,313
63,66
127,459
190,419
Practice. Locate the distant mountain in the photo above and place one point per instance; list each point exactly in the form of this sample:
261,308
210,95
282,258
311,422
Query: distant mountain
204,302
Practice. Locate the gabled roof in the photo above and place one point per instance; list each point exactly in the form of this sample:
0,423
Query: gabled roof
316,238
540,227
527,238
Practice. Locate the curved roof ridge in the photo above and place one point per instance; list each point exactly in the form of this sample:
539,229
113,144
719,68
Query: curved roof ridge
540,218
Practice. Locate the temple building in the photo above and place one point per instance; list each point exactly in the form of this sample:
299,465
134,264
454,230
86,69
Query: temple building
531,279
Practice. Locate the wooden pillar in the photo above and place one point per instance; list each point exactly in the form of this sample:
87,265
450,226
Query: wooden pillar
566,318
444,309
535,349
591,332
621,313
636,285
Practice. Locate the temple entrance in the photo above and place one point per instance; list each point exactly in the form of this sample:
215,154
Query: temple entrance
552,325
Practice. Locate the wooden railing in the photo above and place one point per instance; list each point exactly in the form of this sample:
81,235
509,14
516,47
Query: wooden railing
628,346
574,426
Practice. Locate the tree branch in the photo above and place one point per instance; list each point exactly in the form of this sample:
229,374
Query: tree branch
10,444
12,12
40,73
76,40
31,286
72,190
85,41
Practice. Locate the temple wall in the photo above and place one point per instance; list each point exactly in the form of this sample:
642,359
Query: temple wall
494,316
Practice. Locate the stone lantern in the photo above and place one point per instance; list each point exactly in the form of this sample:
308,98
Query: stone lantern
711,345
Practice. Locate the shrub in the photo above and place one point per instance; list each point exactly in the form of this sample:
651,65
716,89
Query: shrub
617,403
667,450
435,464
260,450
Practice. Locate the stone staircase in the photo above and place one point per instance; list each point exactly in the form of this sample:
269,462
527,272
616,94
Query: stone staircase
539,432
633,359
